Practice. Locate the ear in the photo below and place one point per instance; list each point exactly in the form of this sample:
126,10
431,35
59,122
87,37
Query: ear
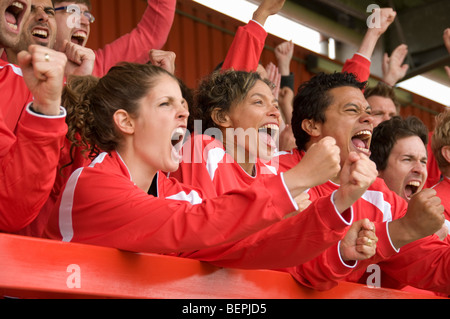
124,122
311,127
445,151
221,118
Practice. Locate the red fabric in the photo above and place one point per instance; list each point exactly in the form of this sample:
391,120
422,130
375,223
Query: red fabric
246,48
29,152
424,264
101,205
359,66
434,174
302,237
151,33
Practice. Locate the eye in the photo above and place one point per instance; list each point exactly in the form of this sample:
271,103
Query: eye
50,12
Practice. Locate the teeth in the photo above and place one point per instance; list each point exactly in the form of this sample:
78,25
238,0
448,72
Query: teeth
13,26
80,34
414,183
40,32
365,132
269,126
363,149
17,5
177,137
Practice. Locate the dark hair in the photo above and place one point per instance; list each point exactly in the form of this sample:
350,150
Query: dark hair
383,90
313,99
222,89
387,133
86,2
121,88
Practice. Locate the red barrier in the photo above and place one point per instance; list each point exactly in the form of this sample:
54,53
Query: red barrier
37,268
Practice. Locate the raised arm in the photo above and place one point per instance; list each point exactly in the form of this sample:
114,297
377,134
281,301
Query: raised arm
151,33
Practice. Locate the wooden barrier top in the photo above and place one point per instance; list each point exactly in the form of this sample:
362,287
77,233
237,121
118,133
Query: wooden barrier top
40,268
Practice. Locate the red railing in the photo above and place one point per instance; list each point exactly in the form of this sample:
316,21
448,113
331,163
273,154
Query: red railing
37,268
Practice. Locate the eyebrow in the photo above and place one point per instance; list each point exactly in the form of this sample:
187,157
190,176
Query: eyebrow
263,96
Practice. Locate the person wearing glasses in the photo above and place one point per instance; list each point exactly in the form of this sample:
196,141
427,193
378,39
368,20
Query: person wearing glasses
74,21
41,28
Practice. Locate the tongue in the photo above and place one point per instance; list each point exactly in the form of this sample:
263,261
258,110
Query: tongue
358,143
408,191
267,139
10,18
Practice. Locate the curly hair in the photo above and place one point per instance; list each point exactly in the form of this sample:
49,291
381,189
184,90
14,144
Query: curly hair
220,90
387,133
441,138
73,100
313,99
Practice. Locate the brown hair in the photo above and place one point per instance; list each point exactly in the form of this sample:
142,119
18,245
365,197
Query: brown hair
383,90
441,138
86,2
222,89
92,117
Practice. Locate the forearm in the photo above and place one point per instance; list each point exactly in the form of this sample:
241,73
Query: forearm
28,168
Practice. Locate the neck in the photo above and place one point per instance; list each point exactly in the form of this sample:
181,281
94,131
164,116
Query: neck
241,156
141,174
12,56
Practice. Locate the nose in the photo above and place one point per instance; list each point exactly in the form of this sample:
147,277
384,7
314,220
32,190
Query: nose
274,112
41,15
367,118
183,112
420,168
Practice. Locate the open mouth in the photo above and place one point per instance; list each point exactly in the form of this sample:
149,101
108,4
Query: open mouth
40,33
268,133
411,188
361,141
177,139
79,37
14,14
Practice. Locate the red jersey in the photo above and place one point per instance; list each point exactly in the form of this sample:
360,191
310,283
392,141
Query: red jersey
101,205
443,192
206,165
434,174
246,48
410,265
151,33
29,152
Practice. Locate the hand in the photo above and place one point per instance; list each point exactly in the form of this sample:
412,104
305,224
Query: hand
80,60
387,16
266,9
442,233
287,139
43,72
446,37
357,174
302,201
321,162
393,69
285,101
283,54
424,217
163,59
360,241
274,76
